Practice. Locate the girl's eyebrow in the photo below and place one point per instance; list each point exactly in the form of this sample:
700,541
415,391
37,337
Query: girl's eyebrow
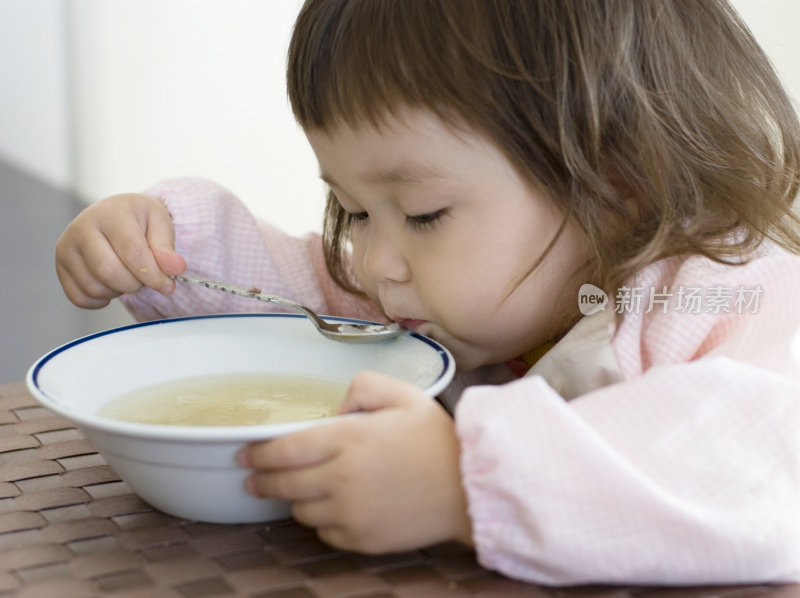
408,173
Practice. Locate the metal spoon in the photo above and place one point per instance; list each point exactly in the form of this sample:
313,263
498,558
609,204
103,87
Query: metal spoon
348,332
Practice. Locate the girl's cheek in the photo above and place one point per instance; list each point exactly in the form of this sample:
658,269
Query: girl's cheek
362,278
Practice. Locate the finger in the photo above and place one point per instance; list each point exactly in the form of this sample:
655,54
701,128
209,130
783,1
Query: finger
299,449
333,535
160,234
314,513
158,227
293,484
79,282
371,391
171,264
74,292
81,286
340,537
106,258
125,221
133,252
168,261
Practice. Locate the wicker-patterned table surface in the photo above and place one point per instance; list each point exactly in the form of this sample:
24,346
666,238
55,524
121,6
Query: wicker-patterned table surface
69,527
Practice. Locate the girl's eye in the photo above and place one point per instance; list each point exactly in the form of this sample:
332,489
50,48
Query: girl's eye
423,221
419,222
356,217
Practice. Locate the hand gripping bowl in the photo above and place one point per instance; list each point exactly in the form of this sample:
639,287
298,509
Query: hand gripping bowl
191,471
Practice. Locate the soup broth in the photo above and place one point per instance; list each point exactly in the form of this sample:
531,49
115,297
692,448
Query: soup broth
230,400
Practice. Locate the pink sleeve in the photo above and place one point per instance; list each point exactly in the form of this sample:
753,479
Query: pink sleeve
688,472
221,240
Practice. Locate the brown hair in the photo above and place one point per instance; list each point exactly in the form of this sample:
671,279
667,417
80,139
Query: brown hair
660,127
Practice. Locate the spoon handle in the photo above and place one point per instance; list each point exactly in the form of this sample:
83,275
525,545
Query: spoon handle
252,293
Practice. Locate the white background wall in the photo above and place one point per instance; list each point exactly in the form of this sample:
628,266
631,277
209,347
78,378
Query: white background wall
177,87
105,96
34,113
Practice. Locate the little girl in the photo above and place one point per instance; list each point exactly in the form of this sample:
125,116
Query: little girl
497,169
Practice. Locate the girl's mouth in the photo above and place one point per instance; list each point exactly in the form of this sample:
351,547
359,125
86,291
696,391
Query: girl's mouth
410,324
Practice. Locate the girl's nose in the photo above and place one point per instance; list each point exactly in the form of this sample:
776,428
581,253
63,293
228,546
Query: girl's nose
384,260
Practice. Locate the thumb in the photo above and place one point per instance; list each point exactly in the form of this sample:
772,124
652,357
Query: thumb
169,262
161,238
371,391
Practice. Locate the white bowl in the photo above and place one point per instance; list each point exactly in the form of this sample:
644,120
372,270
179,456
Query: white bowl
191,471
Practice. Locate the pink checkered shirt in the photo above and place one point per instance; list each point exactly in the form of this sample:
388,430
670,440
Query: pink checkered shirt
668,452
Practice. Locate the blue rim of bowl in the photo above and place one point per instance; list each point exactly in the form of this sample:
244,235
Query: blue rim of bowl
210,433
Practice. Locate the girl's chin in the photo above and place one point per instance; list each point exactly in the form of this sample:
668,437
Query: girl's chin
466,356
467,365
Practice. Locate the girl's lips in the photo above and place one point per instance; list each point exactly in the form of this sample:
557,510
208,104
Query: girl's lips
410,324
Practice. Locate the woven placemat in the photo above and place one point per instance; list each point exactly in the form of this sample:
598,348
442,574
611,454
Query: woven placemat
70,528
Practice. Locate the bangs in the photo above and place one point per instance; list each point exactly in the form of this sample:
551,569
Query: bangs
357,62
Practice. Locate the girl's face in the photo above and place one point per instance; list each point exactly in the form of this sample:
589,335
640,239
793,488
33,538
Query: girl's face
445,235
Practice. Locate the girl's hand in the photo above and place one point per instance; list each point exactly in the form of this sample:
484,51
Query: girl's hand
386,481
116,246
